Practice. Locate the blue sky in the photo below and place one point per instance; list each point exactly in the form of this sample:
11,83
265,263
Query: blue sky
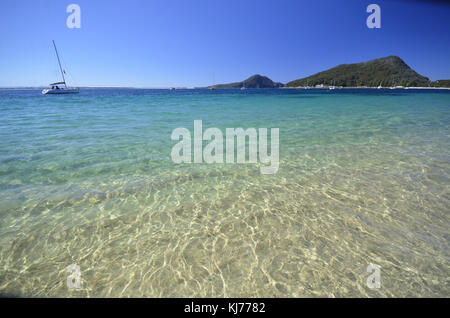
190,43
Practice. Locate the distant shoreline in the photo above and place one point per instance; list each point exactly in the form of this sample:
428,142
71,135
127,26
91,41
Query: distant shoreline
169,88
94,87
366,87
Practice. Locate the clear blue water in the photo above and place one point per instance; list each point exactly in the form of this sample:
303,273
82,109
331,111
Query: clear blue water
87,179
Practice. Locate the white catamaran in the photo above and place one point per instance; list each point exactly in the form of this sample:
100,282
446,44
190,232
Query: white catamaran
55,89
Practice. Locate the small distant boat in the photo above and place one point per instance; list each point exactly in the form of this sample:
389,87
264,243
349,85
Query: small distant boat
213,88
55,89
307,85
243,86
379,86
332,86
393,85
172,88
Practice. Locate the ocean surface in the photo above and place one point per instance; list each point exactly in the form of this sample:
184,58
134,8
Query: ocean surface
88,180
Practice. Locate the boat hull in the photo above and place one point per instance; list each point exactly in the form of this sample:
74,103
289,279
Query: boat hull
60,91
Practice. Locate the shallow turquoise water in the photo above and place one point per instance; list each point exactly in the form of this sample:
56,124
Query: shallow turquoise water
87,179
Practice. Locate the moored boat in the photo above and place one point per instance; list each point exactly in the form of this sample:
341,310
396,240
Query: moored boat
55,89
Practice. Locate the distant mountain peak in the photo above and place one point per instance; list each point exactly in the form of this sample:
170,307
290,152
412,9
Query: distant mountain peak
256,77
254,81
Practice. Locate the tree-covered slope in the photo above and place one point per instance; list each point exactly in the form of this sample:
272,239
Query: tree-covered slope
440,83
387,71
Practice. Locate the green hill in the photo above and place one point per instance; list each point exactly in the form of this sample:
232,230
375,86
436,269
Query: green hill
387,71
255,81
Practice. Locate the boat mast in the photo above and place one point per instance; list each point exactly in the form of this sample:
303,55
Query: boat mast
59,62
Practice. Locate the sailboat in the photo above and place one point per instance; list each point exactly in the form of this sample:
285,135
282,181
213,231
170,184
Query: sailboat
243,86
307,85
213,88
393,85
55,89
379,86
332,86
